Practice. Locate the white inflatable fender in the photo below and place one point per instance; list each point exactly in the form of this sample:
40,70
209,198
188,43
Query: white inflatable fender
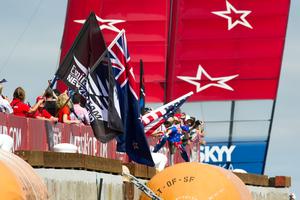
6,143
65,148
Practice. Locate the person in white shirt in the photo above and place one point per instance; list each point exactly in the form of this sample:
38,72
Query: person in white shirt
4,103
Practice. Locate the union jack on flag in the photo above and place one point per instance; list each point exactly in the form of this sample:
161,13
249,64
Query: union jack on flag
120,58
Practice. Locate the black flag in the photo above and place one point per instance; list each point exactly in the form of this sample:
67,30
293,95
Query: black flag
86,49
97,86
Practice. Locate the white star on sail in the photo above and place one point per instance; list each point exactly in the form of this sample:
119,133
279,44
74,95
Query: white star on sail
105,23
216,82
226,14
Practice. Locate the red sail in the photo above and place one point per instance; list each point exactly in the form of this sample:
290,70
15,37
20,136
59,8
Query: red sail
221,50
244,38
146,24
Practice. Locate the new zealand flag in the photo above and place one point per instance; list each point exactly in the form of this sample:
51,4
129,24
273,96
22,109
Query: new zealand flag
134,141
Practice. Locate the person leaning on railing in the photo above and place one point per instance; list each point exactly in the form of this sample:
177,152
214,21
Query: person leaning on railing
42,113
18,105
50,101
64,105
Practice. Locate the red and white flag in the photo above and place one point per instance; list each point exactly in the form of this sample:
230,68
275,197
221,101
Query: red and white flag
157,117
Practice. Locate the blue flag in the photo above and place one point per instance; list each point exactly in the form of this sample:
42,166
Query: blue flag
134,140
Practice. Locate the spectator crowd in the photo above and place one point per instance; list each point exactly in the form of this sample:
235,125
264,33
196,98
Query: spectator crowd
52,105
178,131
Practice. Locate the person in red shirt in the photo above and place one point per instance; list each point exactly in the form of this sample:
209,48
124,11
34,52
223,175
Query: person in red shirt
18,105
42,113
63,105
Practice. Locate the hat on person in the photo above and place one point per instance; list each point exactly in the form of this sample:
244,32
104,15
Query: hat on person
178,115
39,98
187,117
3,80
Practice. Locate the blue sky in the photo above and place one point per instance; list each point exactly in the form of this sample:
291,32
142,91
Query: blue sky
283,158
30,38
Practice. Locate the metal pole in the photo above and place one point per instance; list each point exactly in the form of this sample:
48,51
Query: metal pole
168,60
142,100
230,129
269,135
106,51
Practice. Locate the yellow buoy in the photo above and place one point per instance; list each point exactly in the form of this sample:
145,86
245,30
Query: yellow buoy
197,181
18,180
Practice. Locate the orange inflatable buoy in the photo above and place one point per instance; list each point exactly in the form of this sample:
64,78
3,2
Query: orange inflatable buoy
197,181
18,179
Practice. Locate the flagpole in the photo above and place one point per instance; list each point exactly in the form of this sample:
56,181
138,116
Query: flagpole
104,53
116,38
142,101
51,85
